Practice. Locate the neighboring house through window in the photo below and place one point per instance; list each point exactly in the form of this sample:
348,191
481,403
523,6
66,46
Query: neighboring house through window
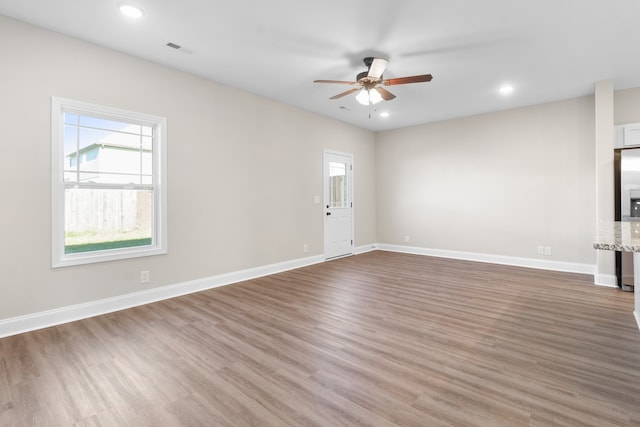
108,183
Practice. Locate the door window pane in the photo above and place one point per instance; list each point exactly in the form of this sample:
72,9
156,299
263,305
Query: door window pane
337,185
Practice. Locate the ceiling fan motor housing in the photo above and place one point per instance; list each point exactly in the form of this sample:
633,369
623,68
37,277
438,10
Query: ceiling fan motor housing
361,76
364,79
367,82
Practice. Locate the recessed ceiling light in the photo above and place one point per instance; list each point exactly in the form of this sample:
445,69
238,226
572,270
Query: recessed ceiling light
506,90
131,11
384,114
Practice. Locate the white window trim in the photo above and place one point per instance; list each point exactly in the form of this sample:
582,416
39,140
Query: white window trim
159,246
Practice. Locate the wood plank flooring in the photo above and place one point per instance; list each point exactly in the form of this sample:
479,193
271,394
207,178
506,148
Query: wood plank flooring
379,339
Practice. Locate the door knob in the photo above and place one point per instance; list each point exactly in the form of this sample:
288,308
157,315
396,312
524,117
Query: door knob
328,213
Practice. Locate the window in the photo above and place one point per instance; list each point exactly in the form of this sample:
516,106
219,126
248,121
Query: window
108,183
337,185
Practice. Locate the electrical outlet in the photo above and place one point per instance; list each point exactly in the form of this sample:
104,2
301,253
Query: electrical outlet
540,250
144,276
407,239
547,250
305,248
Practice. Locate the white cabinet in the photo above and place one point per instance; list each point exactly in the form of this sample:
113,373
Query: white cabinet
632,134
628,135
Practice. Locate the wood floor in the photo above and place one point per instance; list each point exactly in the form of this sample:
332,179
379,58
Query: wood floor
379,339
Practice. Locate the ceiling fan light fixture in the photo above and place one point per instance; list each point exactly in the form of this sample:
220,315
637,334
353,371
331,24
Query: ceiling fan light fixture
363,97
374,96
368,97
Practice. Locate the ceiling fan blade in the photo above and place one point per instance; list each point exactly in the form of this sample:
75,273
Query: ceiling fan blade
340,95
405,80
377,68
334,81
385,94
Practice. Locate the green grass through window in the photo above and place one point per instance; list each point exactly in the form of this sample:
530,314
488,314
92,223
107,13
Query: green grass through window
100,246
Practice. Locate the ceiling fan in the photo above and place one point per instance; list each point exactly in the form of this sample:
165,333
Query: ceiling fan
370,91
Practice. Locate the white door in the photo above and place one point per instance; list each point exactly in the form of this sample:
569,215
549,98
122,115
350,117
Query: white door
338,204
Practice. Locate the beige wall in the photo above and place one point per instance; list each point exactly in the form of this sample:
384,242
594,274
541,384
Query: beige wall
502,183
627,106
243,171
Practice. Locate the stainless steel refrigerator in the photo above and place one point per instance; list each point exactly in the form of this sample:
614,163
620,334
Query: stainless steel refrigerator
627,165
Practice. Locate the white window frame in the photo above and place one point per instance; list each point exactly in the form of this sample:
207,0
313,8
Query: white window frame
158,246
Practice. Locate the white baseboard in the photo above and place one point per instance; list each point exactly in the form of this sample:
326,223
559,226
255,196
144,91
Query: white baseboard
636,314
569,267
30,322
608,280
45,319
364,249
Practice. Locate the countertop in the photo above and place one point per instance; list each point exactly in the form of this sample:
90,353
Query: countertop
618,236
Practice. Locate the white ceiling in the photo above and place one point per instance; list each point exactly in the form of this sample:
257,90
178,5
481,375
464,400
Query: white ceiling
547,49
